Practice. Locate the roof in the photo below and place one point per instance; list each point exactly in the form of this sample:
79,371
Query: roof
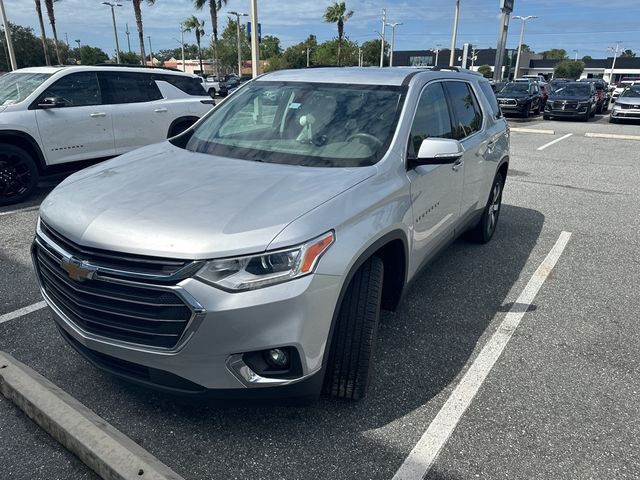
109,68
356,75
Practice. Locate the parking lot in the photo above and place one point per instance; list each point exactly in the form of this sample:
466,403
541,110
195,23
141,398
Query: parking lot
561,402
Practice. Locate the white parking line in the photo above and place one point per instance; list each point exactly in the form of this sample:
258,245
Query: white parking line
422,457
532,130
555,141
20,210
612,135
21,312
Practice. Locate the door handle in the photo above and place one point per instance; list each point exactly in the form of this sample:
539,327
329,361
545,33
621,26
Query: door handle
491,145
457,164
160,110
97,114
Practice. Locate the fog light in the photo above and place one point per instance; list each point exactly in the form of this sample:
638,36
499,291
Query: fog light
277,358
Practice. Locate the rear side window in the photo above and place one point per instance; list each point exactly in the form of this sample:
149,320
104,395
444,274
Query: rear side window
491,98
128,87
76,89
467,116
432,119
189,85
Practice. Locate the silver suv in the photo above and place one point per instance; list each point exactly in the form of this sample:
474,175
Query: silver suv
252,254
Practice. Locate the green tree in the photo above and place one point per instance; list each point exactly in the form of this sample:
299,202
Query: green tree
296,55
197,26
526,48
44,36
138,14
131,58
270,47
628,53
587,58
52,19
214,6
486,71
90,55
28,48
337,13
327,53
555,54
371,52
227,47
568,69
275,63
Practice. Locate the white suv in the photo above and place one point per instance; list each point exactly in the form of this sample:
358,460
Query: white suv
51,116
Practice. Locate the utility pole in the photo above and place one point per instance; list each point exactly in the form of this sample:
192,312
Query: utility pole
66,39
516,73
437,51
393,40
384,22
359,56
115,30
507,7
7,33
238,15
615,57
452,57
127,32
474,56
77,40
308,55
184,68
255,46
150,50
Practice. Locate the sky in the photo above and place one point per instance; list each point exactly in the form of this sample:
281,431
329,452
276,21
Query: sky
588,26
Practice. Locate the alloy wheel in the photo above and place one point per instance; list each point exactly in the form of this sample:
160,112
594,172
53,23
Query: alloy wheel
15,175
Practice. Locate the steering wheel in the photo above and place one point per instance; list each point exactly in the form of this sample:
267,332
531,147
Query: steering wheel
365,136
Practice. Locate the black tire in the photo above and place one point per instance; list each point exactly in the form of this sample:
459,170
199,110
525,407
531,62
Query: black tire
180,127
612,120
593,112
527,111
486,227
586,116
537,110
212,92
545,116
599,109
18,174
350,361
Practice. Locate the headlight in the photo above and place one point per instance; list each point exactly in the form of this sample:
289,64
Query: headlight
262,270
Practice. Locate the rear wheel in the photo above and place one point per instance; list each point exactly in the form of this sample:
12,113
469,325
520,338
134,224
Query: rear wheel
212,92
18,174
486,227
350,359
180,127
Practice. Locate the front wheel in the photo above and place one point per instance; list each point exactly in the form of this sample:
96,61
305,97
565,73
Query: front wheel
18,174
350,359
486,227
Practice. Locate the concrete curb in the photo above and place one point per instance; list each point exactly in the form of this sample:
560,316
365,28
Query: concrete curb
532,130
612,135
103,448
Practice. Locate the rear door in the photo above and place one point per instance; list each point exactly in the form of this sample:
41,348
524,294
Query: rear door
436,190
140,115
82,128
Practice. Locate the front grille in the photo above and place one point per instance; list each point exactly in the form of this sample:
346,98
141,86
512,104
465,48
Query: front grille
141,314
558,105
508,102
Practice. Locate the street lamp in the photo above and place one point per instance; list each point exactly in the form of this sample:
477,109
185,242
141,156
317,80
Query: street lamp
7,33
524,21
115,30
437,51
452,57
393,39
238,15
576,52
150,50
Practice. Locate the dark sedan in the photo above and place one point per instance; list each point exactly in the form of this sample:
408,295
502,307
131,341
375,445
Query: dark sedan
572,99
520,98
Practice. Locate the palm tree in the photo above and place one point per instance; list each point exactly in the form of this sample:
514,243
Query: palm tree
192,23
52,19
138,13
44,36
337,13
214,6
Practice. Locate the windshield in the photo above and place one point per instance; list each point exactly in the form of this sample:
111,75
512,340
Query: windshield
573,90
516,87
15,87
310,124
631,92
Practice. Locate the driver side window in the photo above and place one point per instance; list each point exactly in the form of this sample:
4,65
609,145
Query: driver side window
76,90
432,119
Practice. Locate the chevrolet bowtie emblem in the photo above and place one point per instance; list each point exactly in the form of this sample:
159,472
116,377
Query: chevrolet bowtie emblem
77,270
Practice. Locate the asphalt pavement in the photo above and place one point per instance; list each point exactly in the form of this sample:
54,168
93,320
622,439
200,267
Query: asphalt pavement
560,403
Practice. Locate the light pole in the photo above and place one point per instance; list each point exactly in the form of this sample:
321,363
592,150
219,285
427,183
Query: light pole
452,57
238,15
66,39
576,58
127,33
615,57
384,22
437,52
7,33
150,50
182,30
393,40
255,46
524,21
77,40
113,6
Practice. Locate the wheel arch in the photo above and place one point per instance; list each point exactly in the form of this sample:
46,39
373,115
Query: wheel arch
27,143
191,119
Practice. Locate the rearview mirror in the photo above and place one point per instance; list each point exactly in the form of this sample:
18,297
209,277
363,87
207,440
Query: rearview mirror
52,102
438,151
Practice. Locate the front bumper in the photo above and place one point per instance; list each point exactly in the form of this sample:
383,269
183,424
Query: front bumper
208,357
626,113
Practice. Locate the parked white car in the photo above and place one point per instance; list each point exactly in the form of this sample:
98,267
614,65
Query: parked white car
50,116
620,88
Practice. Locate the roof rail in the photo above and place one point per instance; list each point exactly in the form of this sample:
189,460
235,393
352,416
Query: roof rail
133,65
439,68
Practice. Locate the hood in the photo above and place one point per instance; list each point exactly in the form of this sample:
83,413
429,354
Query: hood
512,95
165,201
3,108
628,101
574,98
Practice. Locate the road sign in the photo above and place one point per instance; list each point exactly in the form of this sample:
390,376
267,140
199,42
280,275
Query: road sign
506,5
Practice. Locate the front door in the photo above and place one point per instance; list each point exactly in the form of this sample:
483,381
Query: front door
81,128
436,190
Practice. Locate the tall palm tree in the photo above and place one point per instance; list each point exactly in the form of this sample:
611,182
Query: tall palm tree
52,19
197,26
44,36
214,6
337,13
138,13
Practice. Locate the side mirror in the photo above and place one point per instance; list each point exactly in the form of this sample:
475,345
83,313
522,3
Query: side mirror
438,151
52,102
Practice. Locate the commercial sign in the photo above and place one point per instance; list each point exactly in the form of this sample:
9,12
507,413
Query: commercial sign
506,5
